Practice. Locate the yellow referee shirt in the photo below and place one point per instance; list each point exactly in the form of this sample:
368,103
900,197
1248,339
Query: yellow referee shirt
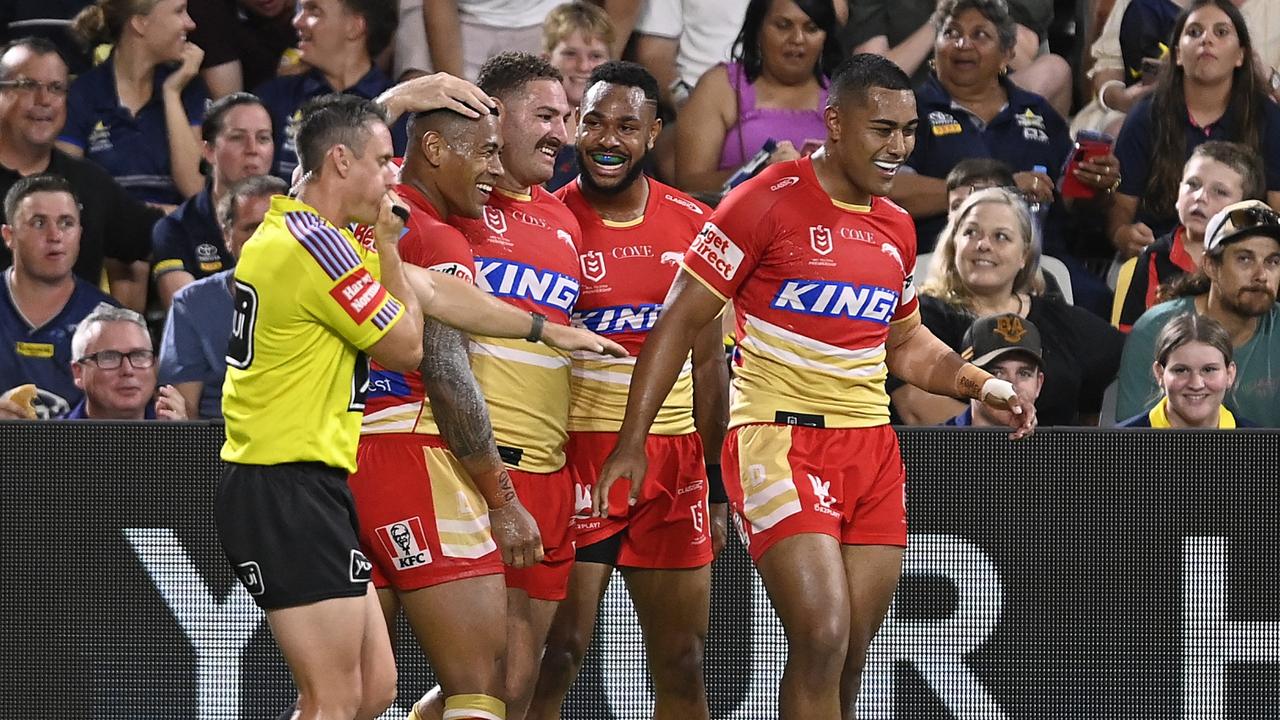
307,303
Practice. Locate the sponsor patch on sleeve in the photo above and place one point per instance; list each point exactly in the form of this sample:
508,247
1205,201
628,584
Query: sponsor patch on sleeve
359,294
717,250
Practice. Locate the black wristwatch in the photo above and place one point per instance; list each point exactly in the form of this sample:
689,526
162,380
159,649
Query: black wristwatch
535,331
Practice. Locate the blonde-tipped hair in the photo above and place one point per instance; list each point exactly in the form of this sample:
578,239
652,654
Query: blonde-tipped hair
564,20
945,282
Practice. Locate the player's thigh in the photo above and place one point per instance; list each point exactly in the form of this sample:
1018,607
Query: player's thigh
462,628
674,608
872,572
805,577
324,642
575,618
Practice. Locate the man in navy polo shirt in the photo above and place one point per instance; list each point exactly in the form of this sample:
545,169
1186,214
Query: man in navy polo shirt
1026,133
41,300
338,39
188,244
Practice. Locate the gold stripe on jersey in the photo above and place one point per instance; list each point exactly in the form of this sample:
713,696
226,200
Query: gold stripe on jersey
464,532
410,417
526,386
769,492
598,397
784,371
693,274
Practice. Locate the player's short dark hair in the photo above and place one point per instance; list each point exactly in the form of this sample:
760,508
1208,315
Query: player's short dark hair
250,187
214,116
32,184
381,17
509,72
445,121
335,119
855,77
988,172
626,74
37,45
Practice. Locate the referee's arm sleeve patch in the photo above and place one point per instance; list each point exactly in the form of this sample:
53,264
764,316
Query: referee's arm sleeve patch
359,294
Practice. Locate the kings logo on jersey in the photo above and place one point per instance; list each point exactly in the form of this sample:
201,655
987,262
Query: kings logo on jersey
837,299
505,278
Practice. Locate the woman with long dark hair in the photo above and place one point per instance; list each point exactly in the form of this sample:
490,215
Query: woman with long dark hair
774,88
1210,90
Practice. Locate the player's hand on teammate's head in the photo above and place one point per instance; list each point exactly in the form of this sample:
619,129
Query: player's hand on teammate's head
565,337
623,463
436,92
516,534
170,405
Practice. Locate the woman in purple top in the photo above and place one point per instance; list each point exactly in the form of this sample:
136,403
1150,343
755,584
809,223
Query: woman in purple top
775,88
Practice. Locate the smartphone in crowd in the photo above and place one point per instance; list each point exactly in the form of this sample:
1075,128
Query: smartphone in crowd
1089,145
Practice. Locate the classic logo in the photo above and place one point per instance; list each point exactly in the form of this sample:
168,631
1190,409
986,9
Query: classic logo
405,542
495,220
593,267
1010,328
787,181
820,239
684,203
359,294
718,250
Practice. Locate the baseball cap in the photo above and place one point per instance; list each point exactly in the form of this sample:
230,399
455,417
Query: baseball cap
994,336
1240,220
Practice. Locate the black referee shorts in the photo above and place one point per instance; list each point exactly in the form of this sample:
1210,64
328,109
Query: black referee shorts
289,532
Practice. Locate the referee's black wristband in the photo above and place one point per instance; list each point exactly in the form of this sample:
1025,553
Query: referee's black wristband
715,485
535,331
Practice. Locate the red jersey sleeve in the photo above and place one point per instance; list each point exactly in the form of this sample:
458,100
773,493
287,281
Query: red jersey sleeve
730,245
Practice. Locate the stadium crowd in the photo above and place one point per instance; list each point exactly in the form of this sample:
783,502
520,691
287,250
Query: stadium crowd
1106,242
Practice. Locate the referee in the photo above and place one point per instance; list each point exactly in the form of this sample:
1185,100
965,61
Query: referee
312,305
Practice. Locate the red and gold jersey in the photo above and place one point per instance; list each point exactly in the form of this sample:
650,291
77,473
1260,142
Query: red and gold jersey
526,253
397,402
815,284
627,269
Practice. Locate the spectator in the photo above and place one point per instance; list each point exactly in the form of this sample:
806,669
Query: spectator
969,108
462,34
1193,369
136,115
1008,347
242,41
338,39
1237,285
774,89
1210,92
115,367
985,265
42,300
680,40
1218,174
188,244
575,40
115,228
904,31
193,353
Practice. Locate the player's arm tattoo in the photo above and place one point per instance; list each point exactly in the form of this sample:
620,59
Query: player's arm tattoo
460,410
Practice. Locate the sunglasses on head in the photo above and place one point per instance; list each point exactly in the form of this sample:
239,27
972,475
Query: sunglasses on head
1247,219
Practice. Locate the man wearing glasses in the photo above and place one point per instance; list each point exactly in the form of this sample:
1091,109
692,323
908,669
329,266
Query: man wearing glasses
1237,285
41,299
115,366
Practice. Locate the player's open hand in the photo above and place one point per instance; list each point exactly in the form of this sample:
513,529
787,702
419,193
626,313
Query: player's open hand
572,338
170,405
625,463
516,533
1012,409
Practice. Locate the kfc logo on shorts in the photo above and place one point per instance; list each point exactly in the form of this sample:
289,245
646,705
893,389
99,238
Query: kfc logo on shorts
405,542
820,239
593,265
361,568
251,577
495,220
713,246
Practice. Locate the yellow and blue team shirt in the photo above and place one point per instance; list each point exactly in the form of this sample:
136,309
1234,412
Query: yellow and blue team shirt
308,302
526,254
627,268
815,284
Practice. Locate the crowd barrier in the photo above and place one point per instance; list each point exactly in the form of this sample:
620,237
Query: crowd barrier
1076,574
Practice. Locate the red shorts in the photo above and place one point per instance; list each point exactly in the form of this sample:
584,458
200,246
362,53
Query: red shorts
667,527
421,521
848,483
549,499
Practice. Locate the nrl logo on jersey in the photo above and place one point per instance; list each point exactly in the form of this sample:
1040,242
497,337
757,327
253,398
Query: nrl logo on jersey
820,239
593,267
495,220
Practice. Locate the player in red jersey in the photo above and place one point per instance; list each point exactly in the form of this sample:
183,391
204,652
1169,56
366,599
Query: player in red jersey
429,470
817,262
634,232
